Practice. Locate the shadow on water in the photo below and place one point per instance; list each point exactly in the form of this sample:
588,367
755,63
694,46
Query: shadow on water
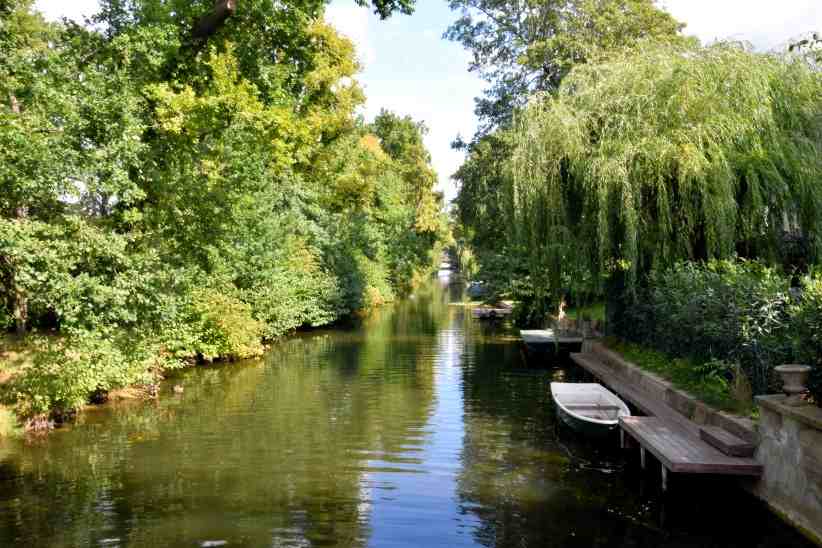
417,426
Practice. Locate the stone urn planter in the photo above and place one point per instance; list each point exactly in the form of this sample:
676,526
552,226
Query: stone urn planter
794,377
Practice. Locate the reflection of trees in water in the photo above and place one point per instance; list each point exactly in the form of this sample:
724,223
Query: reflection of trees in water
249,453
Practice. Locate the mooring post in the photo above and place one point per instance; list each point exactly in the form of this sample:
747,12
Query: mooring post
664,478
642,457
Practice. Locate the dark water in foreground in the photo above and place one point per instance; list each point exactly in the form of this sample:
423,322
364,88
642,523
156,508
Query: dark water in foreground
421,427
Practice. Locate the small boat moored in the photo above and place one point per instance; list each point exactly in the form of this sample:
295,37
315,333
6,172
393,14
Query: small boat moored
588,408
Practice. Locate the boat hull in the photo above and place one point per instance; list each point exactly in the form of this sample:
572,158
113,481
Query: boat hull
588,408
586,428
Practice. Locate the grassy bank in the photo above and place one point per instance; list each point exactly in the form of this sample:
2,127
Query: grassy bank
711,382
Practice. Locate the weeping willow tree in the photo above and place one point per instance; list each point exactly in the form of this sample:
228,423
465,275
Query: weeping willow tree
664,154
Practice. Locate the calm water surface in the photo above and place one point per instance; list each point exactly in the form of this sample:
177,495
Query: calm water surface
419,427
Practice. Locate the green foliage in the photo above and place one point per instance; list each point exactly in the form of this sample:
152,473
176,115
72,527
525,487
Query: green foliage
594,311
224,326
402,140
67,370
384,8
195,196
663,154
480,204
710,381
526,47
806,330
77,276
299,292
724,314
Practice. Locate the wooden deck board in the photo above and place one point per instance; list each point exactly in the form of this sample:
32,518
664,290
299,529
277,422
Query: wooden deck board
726,442
681,452
547,336
669,436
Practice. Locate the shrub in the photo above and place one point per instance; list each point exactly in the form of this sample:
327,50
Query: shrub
224,326
735,311
807,332
712,381
364,281
295,299
66,371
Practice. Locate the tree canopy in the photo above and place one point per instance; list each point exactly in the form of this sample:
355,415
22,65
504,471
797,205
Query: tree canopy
170,195
526,47
663,153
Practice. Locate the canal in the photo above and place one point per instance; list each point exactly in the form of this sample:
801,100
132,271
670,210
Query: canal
417,427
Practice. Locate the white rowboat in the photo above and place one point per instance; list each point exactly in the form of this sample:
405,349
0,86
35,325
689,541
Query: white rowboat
588,408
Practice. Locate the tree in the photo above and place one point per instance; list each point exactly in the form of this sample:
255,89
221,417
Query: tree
177,187
664,154
525,47
384,8
480,202
402,140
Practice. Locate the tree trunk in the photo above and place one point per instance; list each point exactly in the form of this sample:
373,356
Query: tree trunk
212,22
20,307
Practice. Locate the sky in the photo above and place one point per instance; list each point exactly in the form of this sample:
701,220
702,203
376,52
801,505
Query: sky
408,68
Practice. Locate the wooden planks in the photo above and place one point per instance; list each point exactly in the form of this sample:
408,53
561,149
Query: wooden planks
680,452
726,442
627,392
673,439
547,336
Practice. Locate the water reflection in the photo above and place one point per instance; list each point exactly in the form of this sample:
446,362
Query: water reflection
417,427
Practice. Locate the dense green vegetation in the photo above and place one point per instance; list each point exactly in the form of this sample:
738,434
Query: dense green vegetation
525,47
733,321
183,184
665,154
524,52
712,382
616,148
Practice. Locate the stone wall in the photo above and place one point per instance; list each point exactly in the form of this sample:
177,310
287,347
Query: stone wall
790,450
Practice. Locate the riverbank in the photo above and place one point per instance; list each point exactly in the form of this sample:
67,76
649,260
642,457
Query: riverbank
46,379
47,376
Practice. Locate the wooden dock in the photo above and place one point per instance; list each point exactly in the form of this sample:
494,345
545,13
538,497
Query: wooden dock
680,445
491,313
547,336
541,346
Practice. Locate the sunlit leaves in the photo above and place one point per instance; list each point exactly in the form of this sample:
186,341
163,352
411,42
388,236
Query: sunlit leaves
664,154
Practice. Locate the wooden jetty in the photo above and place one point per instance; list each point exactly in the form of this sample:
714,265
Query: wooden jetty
537,337
547,345
492,312
680,445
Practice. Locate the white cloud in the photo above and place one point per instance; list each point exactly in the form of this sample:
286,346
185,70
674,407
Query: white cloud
352,21
765,23
75,10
